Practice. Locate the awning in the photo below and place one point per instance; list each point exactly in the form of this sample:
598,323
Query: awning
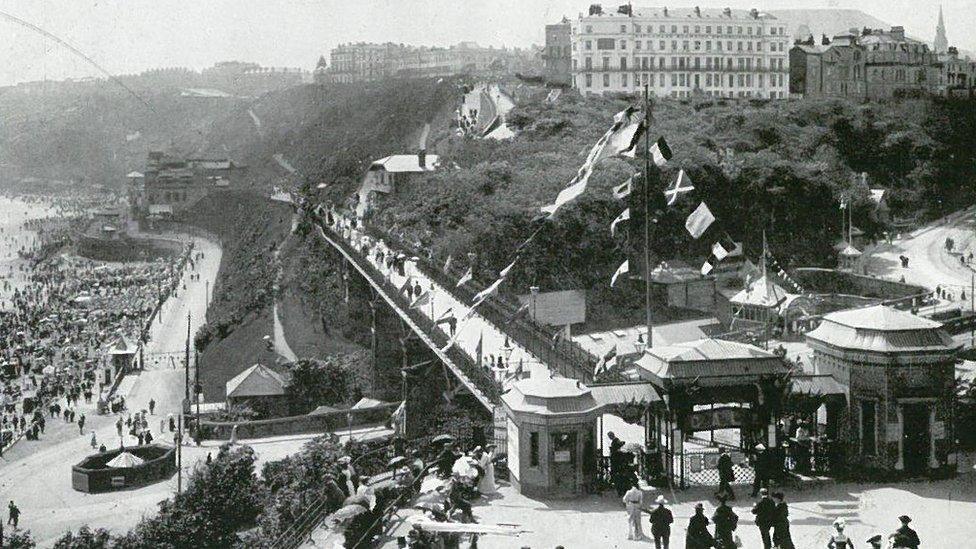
642,393
816,385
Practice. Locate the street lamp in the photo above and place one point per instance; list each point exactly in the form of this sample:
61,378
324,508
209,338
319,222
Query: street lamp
534,290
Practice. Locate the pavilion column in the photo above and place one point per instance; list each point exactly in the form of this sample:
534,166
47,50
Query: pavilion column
933,462
900,463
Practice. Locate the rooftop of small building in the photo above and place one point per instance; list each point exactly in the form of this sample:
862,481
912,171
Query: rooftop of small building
405,163
881,318
258,380
710,14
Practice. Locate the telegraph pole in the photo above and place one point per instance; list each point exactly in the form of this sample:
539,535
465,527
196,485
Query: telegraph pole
647,213
186,363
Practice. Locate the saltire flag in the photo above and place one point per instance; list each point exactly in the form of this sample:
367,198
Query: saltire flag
622,190
699,221
706,268
623,268
447,264
422,300
465,278
519,313
681,185
624,216
660,152
601,366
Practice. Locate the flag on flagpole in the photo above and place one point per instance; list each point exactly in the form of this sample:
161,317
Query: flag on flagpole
601,365
706,268
624,216
660,152
681,185
622,190
447,264
623,268
465,278
422,300
699,221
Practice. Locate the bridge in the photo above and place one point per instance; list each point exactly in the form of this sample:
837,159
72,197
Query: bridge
518,346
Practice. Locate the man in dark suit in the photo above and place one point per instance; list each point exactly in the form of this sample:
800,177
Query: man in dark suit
765,511
761,468
725,475
661,520
904,537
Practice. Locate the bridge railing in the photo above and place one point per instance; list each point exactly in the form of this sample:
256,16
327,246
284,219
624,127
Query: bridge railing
564,356
481,378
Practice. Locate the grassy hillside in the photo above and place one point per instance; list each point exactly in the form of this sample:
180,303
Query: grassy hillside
779,166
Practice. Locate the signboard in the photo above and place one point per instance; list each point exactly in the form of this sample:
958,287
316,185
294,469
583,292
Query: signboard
561,456
512,442
720,418
118,481
556,308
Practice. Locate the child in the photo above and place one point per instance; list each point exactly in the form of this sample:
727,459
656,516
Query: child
838,540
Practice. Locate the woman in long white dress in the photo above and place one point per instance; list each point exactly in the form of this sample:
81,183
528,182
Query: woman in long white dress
487,483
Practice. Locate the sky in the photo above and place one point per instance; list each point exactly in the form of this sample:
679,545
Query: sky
129,36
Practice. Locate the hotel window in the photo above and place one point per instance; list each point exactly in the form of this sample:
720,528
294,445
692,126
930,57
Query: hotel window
681,62
697,29
739,45
637,28
697,45
606,80
759,46
772,30
718,29
623,80
660,79
606,63
681,79
589,63
684,45
623,44
589,80
623,63
730,63
760,79
731,81
574,64
684,29
674,45
623,28
637,44
660,65
869,427
749,46
749,80
661,45
718,45
674,29
708,45
645,62
728,30
533,449
708,62
661,29
697,62
650,45
738,30
589,29
588,45
728,45
708,78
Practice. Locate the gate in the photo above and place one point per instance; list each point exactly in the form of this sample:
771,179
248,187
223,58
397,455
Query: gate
699,467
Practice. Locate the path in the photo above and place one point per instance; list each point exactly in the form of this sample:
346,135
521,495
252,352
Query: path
49,504
281,346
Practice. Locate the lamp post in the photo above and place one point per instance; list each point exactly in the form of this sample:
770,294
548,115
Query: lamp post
507,353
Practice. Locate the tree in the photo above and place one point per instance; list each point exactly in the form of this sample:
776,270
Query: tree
317,382
86,538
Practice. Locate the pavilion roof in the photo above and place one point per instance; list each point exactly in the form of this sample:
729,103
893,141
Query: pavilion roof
709,358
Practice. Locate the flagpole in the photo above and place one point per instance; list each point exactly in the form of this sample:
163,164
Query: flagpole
647,213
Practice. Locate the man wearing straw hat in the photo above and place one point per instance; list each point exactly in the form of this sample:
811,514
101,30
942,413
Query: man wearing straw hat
661,520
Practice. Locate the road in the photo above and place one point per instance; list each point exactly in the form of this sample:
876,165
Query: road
37,475
930,264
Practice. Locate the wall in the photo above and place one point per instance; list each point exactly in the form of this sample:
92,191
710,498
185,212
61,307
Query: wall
332,422
830,281
92,475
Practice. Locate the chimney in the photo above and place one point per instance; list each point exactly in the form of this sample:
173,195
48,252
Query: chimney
754,13
665,11
596,9
697,11
824,40
727,12
898,32
625,9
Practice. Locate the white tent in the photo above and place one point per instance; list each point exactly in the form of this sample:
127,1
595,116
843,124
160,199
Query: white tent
125,459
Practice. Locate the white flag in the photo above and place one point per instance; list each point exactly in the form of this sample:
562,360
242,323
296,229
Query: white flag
681,185
699,221
719,252
660,152
506,270
622,190
568,194
483,294
623,268
624,216
465,278
706,268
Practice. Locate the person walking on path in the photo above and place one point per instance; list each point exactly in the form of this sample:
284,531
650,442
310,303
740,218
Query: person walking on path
726,521
152,407
725,475
765,511
698,535
761,469
13,514
632,502
94,441
81,424
904,537
839,540
661,520
781,527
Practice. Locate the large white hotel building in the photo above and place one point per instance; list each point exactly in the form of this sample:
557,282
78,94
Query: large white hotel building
681,52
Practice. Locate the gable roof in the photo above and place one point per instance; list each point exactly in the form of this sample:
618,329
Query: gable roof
762,292
258,380
405,163
709,358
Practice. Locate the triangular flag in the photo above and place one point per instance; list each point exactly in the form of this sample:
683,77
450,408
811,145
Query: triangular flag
699,221
622,190
504,272
566,195
681,185
624,216
447,264
706,268
660,152
623,268
483,294
465,278
601,366
423,299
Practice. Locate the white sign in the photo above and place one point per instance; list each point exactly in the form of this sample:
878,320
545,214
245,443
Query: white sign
513,449
561,456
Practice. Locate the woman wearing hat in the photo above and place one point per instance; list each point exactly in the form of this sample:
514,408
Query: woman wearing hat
698,535
839,540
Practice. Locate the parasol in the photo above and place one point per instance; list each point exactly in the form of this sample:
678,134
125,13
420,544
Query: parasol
346,513
125,459
465,467
398,461
442,439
